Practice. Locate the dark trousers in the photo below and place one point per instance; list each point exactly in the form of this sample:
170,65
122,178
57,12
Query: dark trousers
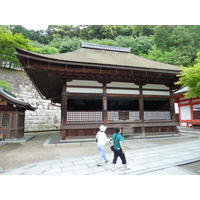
118,152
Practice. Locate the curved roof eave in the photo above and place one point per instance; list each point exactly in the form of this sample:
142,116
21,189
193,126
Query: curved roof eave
14,101
100,58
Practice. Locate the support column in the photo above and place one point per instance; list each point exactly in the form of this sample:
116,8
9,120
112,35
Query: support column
64,109
104,105
141,105
172,109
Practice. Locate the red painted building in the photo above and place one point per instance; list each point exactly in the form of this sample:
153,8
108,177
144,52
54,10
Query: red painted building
188,109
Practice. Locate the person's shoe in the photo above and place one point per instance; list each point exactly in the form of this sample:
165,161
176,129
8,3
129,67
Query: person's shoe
113,168
106,161
127,167
99,165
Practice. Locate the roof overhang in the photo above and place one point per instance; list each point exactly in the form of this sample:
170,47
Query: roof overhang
10,98
48,71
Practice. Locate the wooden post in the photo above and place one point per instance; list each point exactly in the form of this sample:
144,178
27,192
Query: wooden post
172,109
104,105
63,109
141,105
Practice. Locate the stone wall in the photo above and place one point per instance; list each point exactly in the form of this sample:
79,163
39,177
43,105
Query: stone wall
46,116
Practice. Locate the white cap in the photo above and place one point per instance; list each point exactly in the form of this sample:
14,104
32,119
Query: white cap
102,128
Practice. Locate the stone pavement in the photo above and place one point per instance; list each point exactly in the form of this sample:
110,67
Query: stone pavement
144,157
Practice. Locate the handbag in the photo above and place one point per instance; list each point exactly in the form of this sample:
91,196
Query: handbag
112,147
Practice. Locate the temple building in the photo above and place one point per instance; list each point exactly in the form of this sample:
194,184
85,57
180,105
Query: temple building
12,115
107,85
188,109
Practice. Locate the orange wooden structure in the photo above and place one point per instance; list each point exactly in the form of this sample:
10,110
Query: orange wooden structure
189,109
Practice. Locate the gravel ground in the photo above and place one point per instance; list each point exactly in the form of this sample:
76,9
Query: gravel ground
17,155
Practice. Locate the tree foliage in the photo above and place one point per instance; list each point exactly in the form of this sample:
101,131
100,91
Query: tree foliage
190,77
47,50
173,44
8,42
69,45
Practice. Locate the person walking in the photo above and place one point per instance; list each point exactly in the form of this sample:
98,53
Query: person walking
118,149
101,139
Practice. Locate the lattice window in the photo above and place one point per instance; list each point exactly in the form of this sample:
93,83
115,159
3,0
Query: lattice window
113,116
123,115
84,116
134,115
165,115
6,118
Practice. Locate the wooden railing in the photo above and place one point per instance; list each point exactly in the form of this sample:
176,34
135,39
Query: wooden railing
123,115
157,115
84,116
97,116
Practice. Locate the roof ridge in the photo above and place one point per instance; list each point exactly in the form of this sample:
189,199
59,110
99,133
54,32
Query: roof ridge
104,47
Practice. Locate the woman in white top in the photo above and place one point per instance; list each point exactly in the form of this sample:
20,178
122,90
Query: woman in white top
102,139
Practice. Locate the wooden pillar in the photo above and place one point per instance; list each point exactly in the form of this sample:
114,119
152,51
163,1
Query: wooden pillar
104,105
141,105
172,109
63,110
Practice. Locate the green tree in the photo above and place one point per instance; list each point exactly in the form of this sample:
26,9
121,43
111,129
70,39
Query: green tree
108,32
56,42
8,42
162,39
139,45
94,31
190,77
47,50
20,29
169,57
195,31
182,41
70,45
125,30
107,42
142,30
5,28
61,31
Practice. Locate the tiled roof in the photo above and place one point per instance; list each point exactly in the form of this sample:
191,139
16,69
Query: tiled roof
182,90
110,59
11,98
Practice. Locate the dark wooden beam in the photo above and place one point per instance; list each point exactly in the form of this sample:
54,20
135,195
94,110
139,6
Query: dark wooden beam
63,109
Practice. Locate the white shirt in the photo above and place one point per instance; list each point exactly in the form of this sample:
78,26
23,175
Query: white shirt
102,138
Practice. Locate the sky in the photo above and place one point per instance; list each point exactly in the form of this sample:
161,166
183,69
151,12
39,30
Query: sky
38,15
35,27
